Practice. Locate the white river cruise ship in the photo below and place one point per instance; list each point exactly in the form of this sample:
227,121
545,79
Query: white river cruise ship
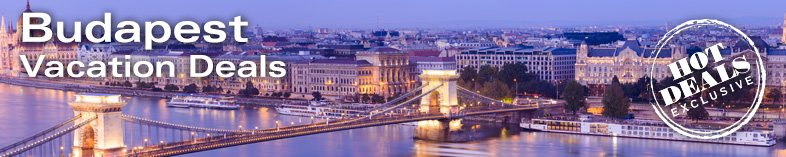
321,109
202,101
650,129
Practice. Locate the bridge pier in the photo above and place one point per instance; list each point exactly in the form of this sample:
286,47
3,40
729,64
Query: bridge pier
516,117
444,130
104,135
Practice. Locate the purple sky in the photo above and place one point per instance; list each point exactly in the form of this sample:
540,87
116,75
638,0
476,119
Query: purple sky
411,13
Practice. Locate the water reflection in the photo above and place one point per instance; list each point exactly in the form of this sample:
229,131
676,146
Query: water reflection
24,111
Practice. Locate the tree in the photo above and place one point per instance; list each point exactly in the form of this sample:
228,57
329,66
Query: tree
140,84
615,104
287,94
317,96
574,96
143,85
191,88
496,89
377,99
171,87
468,73
156,89
128,84
208,89
365,98
106,84
542,87
249,91
220,90
775,95
698,113
517,71
487,73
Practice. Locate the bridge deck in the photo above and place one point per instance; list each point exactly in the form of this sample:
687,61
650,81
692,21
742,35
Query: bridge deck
204,144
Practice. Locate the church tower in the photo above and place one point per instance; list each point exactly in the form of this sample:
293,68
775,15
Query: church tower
4,54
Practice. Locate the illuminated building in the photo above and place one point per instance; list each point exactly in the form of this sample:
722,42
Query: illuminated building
381,70
597,65
12,47
549,63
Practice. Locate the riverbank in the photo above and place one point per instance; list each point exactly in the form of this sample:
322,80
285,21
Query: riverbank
269,102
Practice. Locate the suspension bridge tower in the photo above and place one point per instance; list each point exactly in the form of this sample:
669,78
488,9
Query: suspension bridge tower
443,99
104,134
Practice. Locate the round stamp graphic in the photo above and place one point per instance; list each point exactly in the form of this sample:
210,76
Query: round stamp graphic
724,75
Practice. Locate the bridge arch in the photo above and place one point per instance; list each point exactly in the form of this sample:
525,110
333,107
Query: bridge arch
444,95
88,140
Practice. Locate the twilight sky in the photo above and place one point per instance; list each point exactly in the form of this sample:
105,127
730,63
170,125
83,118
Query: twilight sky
411,13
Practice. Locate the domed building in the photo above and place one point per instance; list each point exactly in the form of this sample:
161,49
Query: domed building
11,47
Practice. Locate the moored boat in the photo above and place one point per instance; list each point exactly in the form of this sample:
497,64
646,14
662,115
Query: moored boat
649,129
322,109
203,101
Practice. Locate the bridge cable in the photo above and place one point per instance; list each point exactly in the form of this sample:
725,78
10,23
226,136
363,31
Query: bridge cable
50,138
41,134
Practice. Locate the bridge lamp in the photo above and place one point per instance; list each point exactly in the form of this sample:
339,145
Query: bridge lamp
146,139
162,142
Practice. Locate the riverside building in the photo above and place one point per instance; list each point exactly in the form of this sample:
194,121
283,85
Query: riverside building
379,70
549,63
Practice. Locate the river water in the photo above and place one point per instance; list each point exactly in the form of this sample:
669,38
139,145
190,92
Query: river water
26,110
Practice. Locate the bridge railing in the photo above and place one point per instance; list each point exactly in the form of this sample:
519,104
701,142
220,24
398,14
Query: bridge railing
182,127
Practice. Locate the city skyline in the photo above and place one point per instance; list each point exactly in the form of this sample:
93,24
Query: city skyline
410,14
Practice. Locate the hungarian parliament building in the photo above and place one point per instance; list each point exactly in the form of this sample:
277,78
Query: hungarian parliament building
11,47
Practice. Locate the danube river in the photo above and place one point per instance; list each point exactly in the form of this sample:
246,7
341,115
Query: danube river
25,110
